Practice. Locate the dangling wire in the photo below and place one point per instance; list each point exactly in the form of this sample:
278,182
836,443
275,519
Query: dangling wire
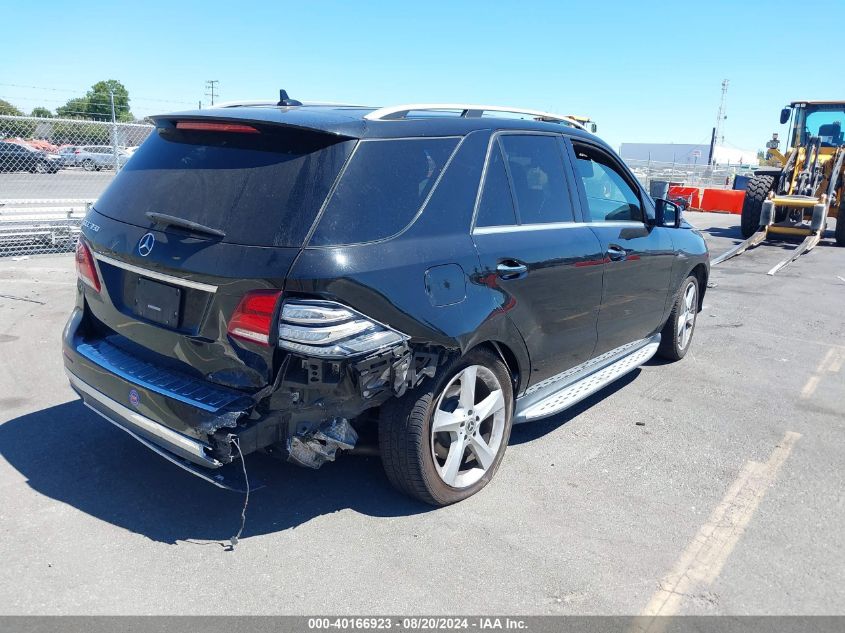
236,537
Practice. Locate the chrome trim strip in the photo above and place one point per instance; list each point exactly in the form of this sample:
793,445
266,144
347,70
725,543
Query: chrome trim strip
166,435
517,228
145,272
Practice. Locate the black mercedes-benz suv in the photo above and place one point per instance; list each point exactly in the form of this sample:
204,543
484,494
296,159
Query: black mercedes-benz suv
274,277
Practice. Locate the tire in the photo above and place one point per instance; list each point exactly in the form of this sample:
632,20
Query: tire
674,341
88,165
417,460
755,194
840,226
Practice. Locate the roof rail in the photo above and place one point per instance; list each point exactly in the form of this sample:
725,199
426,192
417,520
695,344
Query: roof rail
395,113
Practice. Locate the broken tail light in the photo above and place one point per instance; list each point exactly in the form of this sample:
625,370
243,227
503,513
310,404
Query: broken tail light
330,330
253,318
85,268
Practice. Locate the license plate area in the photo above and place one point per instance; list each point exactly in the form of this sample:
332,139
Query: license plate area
157,302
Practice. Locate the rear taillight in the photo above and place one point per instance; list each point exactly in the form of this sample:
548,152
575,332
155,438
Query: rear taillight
85,268
253,318
331,330
76,151
209,126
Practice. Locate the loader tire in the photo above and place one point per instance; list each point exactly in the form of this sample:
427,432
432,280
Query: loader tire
840,226
755,194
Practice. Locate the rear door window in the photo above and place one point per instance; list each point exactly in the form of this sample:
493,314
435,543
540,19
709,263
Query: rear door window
261,189
496,205
382,189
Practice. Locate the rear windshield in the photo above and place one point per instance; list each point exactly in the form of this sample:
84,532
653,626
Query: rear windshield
259,189
382,189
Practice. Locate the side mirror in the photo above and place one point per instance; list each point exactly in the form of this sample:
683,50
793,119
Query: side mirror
593,127
784,115
667,213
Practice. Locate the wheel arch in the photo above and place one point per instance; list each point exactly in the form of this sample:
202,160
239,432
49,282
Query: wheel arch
517,366
701,273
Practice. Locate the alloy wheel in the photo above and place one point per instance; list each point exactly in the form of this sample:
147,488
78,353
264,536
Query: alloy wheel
686,320
467,426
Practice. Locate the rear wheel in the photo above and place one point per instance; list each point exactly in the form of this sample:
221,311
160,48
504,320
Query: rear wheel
755,194
443,441
88,165
677,334
840,226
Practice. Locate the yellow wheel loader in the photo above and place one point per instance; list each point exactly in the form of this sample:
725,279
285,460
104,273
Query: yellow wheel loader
797,197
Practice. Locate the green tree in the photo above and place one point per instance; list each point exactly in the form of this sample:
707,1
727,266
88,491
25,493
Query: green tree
76,108
96,104
99,101
41,112
9,109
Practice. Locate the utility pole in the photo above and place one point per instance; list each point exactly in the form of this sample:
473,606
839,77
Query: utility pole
211,89
113,132
718,135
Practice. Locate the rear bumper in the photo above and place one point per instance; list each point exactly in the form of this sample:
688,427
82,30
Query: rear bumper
149,432
185,452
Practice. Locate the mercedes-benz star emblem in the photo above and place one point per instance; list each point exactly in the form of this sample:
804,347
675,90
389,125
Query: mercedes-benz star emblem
145,246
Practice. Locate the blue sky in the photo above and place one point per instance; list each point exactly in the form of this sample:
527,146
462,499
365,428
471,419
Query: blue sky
646,71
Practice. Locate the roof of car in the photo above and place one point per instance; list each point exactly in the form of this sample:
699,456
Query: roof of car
351,121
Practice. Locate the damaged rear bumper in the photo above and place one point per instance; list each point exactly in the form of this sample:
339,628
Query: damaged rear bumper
185,452
303,417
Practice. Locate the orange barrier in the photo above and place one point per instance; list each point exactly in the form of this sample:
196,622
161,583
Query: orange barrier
693,194
715,200
724,200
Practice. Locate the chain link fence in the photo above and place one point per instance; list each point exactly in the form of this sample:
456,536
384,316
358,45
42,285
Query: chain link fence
51,171
688,175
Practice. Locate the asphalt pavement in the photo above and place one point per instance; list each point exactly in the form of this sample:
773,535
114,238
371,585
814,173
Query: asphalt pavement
72,182
709,486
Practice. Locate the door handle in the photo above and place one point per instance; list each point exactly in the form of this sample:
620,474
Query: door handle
511,269
616,252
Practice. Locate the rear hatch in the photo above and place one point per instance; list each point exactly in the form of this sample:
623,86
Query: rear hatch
204,223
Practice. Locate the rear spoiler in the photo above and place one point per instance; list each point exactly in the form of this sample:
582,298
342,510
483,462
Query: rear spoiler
321,122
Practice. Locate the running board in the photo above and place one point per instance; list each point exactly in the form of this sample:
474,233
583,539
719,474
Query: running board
572,393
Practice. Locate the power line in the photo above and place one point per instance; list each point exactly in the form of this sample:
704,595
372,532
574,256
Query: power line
211,87
68,90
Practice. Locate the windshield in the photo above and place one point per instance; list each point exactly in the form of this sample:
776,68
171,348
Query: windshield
826,122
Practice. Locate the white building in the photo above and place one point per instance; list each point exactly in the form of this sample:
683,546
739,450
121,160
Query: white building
686,154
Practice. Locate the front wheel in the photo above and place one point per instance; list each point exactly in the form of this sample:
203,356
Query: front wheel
443,441
752,205
677,334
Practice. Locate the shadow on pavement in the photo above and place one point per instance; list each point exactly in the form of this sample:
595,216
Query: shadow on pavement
530,431
69,454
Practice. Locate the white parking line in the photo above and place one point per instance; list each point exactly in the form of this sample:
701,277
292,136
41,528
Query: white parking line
831,363
704,557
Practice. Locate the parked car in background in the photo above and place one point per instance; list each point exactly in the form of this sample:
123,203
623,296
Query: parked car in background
277,278
97,157
68,154
17,157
